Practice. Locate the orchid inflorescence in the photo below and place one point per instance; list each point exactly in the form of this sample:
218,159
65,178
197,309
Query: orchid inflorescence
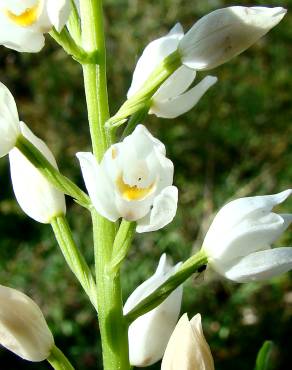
130,185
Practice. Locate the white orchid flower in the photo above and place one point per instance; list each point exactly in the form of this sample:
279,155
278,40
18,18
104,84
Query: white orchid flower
133,181
36,196
174,97
9,121
187,348
23,328
23,23
225,33
238,242
149,334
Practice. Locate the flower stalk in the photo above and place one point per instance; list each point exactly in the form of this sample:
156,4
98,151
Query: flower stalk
58,360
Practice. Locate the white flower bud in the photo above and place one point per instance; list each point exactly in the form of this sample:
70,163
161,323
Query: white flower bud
238,241
225,33
133,181
36,196
174,97
149,334
23,328
187,348
23,23
9,121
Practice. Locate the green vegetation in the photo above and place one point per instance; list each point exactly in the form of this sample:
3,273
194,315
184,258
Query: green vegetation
236,142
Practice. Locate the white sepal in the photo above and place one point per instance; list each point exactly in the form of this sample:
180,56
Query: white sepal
180,104
187,348
58,12
9,121
36,196
243,228
149,334
261,265
225,33
23,329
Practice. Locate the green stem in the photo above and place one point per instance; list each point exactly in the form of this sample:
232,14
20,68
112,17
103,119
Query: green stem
113,326
50,172
122,243
73,23
135,119
65,40
58,360
73,257
189,267
95,75
141,99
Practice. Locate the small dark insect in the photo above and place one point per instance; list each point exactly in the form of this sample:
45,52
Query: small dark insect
202,268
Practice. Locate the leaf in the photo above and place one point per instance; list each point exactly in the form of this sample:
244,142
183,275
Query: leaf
264,355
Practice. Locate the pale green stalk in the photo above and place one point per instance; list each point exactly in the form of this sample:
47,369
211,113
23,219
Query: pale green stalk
61,182
188,268
113,328
58,360
74,257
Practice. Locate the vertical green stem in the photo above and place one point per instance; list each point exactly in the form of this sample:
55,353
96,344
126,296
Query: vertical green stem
95,75
113,327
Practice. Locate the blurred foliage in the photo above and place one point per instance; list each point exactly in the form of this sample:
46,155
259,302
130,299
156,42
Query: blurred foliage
236,142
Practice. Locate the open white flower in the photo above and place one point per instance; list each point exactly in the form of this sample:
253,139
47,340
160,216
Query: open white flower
9,121
36,196
23,23
174,97
133,181
187,348
225,33
238,242
23,328
149,334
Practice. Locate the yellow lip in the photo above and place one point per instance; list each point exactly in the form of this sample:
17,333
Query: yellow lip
132,192
25,19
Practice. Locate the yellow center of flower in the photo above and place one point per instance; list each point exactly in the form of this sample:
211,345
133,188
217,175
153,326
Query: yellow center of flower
132,192
25,19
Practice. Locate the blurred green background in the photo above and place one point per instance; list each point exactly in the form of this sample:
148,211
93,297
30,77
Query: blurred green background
235,142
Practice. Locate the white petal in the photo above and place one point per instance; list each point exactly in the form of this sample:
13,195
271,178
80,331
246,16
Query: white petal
176,84
19,38
149,334
233,213
133,210
99,186
152,55
181,104
58,12
162,213
187,348
225,33
35,195
23,329
261,265
9,121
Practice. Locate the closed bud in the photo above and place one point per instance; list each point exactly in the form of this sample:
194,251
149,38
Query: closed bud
149,334
225,33
187,348
36,196
23,329
9,121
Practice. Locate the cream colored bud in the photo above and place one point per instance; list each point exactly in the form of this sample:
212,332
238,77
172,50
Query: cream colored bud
187,348
23,328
